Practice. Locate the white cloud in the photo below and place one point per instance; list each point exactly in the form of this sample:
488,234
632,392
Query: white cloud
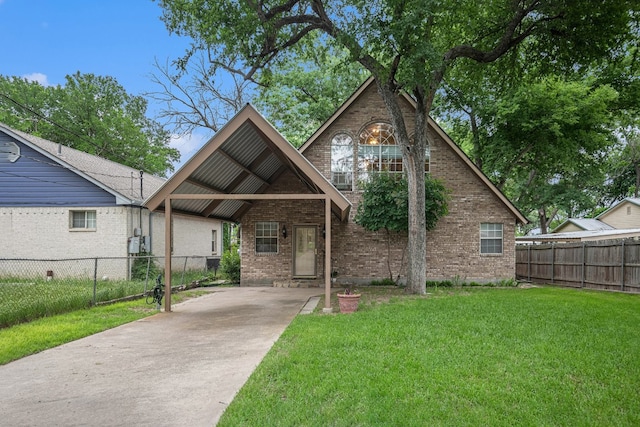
37,77
188,145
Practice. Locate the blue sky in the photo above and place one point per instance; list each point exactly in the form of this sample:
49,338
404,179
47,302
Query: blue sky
45,40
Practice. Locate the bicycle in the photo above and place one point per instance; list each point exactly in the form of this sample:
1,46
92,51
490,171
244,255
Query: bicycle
156,293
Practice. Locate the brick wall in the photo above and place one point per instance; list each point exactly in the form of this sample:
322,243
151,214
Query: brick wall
453,248
43,233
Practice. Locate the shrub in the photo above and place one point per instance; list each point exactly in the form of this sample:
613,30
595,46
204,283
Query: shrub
139,267
384,282
230,264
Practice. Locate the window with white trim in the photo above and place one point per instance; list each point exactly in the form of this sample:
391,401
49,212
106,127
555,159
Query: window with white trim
214,242
267,237
378,151
342,161
82,220
491,238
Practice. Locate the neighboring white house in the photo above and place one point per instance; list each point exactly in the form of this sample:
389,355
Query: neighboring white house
59,203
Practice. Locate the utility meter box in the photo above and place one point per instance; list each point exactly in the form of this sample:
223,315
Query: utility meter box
146,244
134,245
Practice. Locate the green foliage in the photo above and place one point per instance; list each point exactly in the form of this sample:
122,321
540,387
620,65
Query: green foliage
230,264
384,204
140,266
301,92
538,175
90,113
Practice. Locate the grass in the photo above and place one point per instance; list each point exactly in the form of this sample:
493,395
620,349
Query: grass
28,338
457,357
23,300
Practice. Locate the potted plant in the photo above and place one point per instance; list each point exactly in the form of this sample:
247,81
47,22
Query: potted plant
349,300
334,275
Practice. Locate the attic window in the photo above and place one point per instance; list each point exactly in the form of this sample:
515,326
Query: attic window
628,210
9,152
377,151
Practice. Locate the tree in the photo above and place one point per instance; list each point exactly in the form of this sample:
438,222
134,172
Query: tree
302,91
385,206
89,113
625,166
406,45
298,94
549,144
197,94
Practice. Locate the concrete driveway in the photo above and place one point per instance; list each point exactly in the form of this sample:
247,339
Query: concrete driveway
173,369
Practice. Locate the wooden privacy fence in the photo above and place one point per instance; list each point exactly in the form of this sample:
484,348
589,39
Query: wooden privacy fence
605,265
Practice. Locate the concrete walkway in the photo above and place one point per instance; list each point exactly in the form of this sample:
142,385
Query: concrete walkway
173,369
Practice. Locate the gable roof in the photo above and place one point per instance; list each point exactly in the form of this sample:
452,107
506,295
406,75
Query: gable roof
586,224
629,200
443,135
242,160
123,182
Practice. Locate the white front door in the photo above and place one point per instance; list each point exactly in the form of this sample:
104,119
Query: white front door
304,251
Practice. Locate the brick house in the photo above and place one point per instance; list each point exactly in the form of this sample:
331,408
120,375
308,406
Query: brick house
60,203
296,207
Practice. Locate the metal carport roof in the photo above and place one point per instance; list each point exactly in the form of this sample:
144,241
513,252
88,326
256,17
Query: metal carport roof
244,158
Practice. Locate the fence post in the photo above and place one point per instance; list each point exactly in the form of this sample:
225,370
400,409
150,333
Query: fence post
584,263
553,260
622,269
146,276
95,279
529,263
184,269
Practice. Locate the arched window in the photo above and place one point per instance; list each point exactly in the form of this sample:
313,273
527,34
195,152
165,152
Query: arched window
377,150
342,161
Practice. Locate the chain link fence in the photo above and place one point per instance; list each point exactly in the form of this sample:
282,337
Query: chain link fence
32,288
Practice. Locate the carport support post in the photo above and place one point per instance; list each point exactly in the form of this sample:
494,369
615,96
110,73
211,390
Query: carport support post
327,258
167,254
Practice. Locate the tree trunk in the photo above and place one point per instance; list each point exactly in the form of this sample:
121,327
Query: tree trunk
413,157
542,217
475,135
636,167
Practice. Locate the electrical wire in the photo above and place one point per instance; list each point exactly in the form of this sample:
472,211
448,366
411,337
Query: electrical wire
82,138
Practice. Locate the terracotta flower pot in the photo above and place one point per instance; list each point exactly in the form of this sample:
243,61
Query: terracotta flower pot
348,302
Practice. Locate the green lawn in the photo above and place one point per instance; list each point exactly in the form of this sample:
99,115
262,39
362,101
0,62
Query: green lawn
28,338
457,357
